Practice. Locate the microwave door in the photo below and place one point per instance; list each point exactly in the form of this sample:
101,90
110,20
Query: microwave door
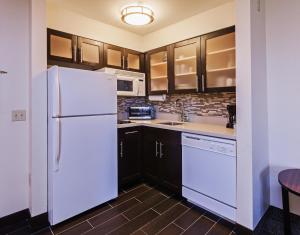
125,86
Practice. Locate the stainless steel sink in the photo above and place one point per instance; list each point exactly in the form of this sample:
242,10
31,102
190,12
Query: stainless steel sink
171,123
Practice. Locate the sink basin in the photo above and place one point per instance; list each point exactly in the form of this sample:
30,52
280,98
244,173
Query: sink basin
171,123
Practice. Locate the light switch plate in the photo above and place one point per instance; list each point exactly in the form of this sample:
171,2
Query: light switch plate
18,115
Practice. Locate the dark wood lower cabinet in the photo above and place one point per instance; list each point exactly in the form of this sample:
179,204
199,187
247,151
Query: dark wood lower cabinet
129,156
151,154
162,161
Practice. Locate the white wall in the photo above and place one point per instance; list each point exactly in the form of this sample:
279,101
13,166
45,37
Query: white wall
217,18
283,56
71,22
14,94
252,117
38,108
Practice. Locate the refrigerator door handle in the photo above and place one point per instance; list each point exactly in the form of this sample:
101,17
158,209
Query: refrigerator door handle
58,97
58,144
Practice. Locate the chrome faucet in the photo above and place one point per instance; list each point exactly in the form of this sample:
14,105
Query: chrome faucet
183,115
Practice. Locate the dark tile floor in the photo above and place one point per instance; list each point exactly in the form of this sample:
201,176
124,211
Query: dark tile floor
145,210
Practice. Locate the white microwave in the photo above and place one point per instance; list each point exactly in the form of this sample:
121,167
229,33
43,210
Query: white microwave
128,83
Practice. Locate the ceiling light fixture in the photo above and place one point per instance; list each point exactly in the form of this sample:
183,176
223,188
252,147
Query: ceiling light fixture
137,15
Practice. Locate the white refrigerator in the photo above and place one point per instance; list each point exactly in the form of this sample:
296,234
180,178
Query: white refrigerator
82,141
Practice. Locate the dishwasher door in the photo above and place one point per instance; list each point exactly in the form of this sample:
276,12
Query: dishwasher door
209,168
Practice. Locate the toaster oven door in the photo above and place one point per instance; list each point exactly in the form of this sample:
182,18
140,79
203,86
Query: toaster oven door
126,86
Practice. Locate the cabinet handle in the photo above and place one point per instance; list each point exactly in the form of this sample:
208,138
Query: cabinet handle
74,54
2,72
121,149
131,132
160,150
81,55
123,62
202,82
156,148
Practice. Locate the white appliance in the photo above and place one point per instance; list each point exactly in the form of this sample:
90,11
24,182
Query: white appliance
209,173
128,83
82,141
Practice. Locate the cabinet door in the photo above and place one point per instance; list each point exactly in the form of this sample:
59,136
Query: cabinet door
129,163
61,46
134,60
170,160
114,56
158,71
90,52
186,66
150,154
218,60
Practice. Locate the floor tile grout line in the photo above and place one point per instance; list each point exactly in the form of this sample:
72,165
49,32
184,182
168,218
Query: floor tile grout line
211,226
98,225
90,223
128,222
194,222
73,226
178,226
172,222
133,197
137,199
155,211
126,217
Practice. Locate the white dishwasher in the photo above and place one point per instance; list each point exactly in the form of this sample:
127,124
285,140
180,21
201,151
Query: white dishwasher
209,173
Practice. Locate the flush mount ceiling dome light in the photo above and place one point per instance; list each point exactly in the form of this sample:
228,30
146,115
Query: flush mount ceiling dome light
137,15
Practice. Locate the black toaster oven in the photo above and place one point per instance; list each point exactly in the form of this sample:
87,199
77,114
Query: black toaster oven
141,113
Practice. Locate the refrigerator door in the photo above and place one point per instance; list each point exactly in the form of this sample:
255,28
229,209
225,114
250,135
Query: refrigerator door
75,92
82,164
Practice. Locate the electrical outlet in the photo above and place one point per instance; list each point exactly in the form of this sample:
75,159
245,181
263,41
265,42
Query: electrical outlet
18,115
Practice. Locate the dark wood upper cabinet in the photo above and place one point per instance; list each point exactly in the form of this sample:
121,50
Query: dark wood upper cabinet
114,56
90,52
122,58
185,66
134,60
158,70
61,46
218,60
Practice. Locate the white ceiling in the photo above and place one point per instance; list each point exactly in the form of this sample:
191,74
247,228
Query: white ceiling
166,12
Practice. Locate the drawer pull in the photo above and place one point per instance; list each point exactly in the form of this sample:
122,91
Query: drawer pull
131,132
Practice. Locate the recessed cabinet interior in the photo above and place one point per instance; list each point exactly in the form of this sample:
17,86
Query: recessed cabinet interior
157,70
218,60
186,62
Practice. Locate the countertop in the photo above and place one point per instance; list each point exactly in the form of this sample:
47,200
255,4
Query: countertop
188,127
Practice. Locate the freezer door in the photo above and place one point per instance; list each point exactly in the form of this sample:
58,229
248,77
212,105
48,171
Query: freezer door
82,164
75,92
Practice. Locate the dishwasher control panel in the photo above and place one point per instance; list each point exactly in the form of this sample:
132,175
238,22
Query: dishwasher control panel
213,144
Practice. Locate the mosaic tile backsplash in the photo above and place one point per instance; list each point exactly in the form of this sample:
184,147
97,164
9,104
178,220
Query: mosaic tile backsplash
211,104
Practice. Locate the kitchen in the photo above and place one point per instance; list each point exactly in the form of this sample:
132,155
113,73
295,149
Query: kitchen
173,94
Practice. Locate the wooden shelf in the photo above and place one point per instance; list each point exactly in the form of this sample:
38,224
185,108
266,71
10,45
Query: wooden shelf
185,74
186,59
220,69
159,64
159,77
221,51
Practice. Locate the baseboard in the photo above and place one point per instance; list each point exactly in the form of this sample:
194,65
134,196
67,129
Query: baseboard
14,218
39,222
